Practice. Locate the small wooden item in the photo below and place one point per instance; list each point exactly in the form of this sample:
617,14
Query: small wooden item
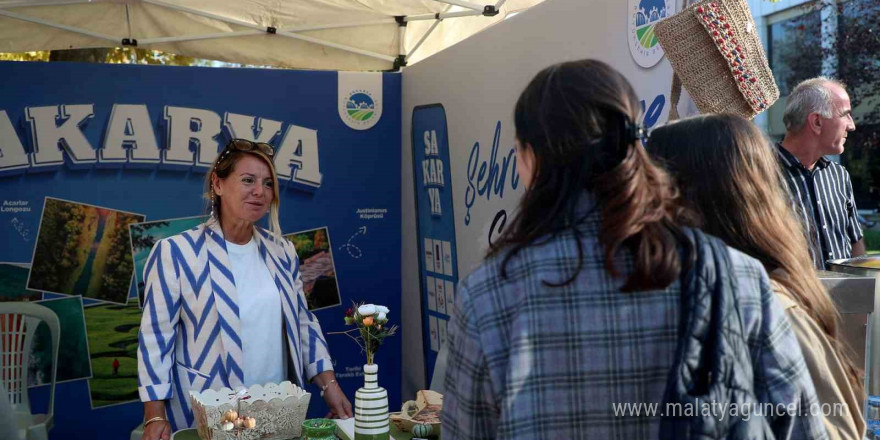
422,416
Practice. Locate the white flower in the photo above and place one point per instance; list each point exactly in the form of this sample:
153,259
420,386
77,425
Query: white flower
367,310
381,316
383,309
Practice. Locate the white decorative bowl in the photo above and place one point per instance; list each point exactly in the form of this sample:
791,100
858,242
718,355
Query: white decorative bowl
279,410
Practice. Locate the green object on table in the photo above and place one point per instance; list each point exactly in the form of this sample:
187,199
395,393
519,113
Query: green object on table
319,429
186,434
421,430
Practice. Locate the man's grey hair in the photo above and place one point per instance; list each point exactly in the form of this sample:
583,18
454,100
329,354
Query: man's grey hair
810,96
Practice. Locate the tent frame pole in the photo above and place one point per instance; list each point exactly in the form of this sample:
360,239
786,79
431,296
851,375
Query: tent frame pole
401,42
400,61
443,15
422,40
218,35
159,40
342,25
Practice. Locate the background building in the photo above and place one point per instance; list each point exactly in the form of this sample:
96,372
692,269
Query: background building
839,39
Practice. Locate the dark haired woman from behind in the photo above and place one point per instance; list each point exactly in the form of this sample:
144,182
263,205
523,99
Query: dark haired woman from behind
729,176
569,328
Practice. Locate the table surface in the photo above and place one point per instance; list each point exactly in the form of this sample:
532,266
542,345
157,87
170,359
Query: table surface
193,434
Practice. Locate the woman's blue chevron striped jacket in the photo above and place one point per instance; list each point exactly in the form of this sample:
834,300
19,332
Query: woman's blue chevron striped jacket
190,330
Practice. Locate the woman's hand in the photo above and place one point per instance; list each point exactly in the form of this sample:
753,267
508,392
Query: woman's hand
340,407
158,430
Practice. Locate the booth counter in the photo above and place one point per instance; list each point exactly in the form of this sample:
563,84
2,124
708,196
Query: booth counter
854,287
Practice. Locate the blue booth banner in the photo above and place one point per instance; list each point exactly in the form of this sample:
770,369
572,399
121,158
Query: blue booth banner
98,162
438,261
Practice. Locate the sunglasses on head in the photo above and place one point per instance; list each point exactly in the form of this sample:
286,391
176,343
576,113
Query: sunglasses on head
246,145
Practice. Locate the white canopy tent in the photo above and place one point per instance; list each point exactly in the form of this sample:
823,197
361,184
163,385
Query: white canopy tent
311,34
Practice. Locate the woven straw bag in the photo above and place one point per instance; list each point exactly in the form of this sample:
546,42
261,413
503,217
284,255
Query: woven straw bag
715,50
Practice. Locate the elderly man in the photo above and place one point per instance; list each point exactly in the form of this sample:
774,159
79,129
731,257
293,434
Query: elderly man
817,119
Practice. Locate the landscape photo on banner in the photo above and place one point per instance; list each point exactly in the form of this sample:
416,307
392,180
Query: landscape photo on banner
98,162
83,250
145,235
13,283
73,348
73,360
316,267
113,343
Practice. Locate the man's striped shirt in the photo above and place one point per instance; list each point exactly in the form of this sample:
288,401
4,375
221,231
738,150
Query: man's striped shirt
823,198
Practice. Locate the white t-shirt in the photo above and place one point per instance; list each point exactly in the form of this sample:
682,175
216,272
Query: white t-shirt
259,309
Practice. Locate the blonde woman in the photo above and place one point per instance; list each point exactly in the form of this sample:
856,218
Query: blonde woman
225,305
728,174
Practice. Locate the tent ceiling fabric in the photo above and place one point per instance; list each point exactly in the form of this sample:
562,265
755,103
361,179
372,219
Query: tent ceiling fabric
356,34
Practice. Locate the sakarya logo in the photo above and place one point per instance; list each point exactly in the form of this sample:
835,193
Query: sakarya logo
643,15
359,98
360,106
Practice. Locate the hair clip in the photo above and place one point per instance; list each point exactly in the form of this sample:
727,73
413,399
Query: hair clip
634,132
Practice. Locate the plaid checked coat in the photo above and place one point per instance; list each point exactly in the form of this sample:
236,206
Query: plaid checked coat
189,335
528,361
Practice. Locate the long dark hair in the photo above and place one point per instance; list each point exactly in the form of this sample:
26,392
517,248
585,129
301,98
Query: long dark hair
576,117
729,175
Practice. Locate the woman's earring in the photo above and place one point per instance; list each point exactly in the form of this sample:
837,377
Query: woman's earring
213,200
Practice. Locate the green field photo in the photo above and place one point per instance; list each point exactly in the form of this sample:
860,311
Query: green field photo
113,343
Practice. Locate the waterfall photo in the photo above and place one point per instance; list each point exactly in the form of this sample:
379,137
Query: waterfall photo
83,250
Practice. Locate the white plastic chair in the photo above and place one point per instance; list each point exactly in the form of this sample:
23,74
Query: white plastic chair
18,325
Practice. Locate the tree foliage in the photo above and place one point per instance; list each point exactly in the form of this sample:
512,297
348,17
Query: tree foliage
116,279
856,48
140,239
39,55
118,55
303,244
320,239
57,256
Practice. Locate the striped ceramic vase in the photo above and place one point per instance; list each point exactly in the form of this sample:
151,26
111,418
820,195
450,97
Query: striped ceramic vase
371,408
